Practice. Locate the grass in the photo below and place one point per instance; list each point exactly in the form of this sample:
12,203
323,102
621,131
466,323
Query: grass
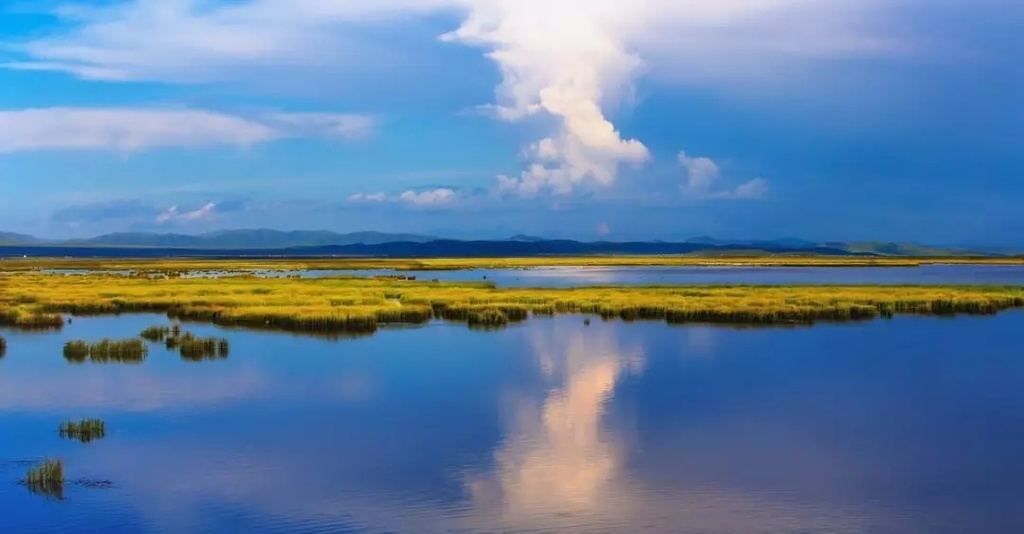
16,317
202,349
361,305
156,334
85,431
193,348
47,478
106,351
175,267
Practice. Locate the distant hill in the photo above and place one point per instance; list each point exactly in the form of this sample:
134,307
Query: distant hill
8,238
322,242
409,249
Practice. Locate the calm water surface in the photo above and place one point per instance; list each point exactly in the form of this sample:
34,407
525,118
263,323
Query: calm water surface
674,275
914,425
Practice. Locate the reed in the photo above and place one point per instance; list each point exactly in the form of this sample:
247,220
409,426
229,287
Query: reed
47,478
85,431
3,347
487,318
106,351
29,320
156,334
349,306
202,349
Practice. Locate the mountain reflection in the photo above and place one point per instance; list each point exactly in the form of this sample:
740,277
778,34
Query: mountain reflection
557,457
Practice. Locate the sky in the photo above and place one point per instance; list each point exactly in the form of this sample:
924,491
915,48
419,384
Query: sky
894,120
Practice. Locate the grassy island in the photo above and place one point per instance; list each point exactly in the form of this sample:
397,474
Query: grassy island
360,305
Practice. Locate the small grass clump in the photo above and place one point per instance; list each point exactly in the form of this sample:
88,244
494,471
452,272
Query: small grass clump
196,349
156,334
47,478
85,431
106,351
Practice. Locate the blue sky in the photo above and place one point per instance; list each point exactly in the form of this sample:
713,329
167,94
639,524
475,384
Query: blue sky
658,119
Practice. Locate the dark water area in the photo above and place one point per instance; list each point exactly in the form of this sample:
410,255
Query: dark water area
914,425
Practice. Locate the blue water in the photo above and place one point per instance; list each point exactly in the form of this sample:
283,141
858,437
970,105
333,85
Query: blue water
914,425
597,276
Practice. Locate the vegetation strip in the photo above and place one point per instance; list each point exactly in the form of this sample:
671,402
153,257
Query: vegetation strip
358,305
184,265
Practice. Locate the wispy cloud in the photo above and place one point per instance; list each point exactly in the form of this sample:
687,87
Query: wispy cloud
173,215
134,129
426,197
702,174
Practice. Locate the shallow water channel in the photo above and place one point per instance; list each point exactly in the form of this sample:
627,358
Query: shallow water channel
913,425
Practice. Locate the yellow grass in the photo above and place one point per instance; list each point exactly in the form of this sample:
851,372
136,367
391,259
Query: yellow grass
176,265
361,305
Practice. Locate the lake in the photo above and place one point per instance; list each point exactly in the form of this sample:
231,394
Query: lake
717,275
678,275
914,425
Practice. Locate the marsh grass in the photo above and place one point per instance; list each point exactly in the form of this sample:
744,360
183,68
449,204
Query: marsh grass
85,431
156,334
203,349
47,478
29,320
106,351
352,306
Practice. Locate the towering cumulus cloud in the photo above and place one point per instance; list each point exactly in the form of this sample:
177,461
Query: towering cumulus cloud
572,59
561,59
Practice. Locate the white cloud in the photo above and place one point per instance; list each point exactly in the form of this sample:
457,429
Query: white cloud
702,174
173,215
566,62
132,129
428,198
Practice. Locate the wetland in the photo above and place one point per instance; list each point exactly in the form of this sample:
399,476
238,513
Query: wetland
385,405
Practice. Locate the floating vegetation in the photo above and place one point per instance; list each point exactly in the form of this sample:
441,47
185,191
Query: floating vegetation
106,351
85,431
156,334
202,349
47,479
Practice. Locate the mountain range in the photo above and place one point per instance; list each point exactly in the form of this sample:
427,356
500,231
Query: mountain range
323,242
